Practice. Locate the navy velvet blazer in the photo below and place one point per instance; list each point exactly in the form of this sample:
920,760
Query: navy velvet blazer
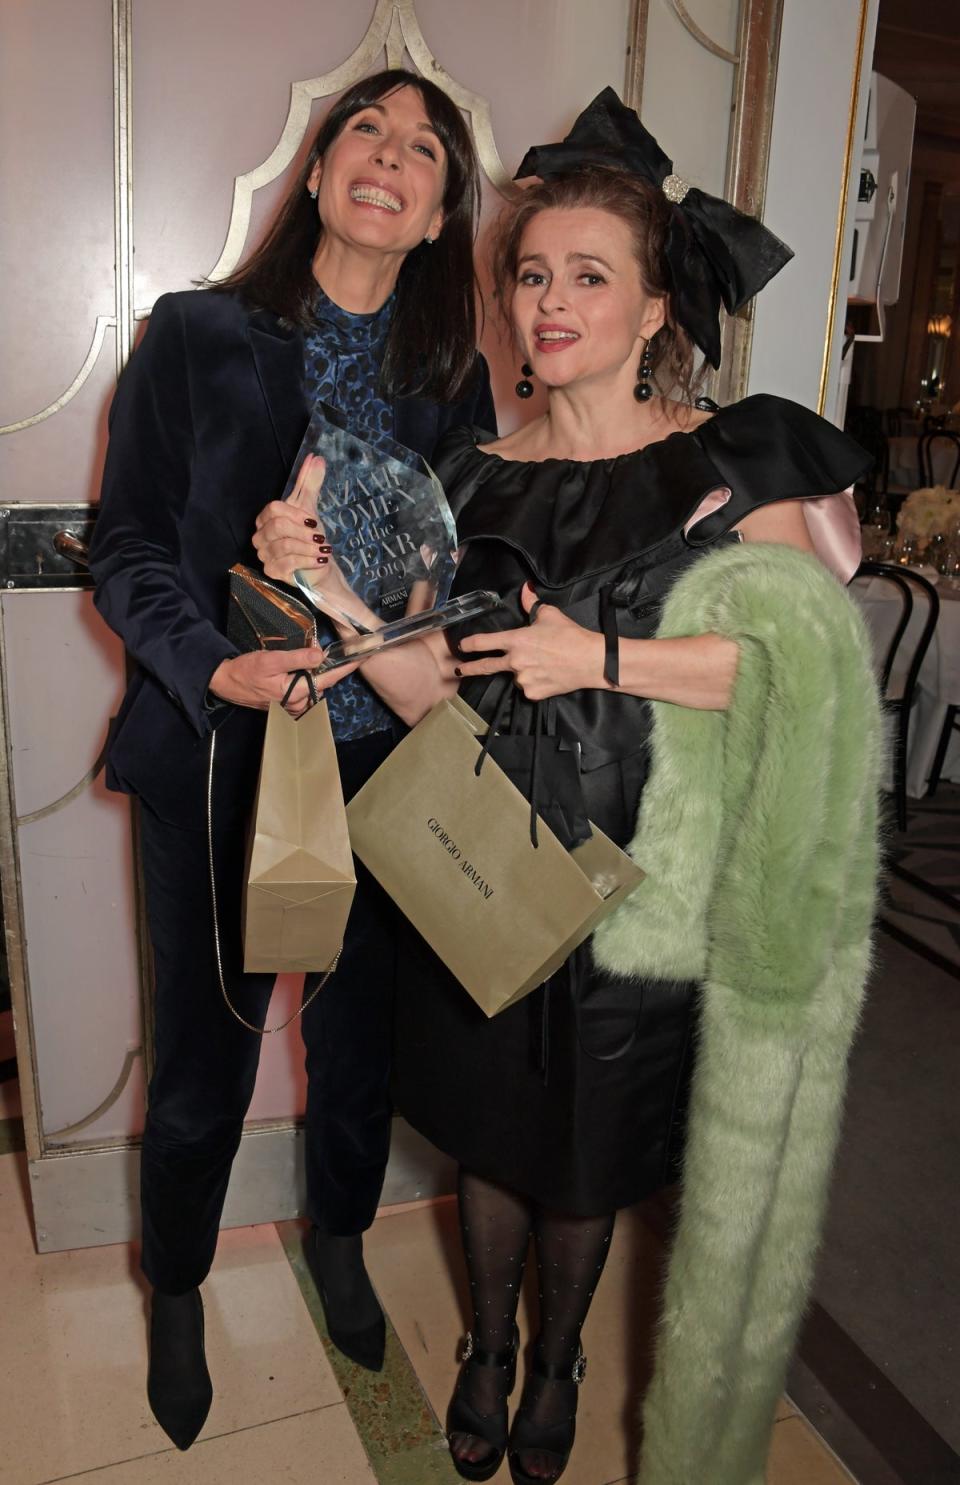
206,422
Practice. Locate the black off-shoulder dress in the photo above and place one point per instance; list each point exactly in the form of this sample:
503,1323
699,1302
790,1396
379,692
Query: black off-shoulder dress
575,1096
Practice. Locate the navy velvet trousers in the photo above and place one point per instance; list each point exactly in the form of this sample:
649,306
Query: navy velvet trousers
206,1061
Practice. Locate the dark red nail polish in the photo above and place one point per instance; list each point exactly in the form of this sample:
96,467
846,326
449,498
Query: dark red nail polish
322,542
322,561
457,672
309,521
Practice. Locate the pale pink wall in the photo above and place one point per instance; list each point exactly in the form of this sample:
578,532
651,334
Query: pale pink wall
64,680
56,240
64,671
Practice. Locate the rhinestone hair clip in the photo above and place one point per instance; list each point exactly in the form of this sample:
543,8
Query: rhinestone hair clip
675,188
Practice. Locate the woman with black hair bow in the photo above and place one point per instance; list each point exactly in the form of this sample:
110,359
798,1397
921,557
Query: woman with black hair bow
570,1104
361,296
628,496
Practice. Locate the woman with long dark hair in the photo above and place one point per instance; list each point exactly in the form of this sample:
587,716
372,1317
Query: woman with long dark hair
360,296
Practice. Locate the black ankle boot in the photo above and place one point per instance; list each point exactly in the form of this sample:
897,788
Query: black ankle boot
353,1314
178,1383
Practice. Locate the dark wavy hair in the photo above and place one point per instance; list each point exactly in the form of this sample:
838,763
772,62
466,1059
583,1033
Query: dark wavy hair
646,212
431,348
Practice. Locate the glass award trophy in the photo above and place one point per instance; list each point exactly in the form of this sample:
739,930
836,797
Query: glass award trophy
385,516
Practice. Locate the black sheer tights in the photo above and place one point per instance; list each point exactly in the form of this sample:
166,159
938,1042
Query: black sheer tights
496,1225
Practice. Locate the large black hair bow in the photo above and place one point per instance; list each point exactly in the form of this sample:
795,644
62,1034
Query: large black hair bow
715,254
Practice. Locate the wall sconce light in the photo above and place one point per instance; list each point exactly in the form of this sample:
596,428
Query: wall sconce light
940,325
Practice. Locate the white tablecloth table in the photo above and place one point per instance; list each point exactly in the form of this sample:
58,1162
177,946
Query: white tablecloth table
905,462
939,683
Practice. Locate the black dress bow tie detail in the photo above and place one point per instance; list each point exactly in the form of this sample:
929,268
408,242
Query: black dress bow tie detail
715,254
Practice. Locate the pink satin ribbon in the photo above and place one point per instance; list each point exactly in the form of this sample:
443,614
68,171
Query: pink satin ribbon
832,523
834,528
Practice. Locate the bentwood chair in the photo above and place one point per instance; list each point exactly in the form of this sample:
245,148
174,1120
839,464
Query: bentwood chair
898,691
925,445
946,732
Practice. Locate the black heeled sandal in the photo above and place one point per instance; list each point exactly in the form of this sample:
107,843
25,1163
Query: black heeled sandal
491,1428
555,1439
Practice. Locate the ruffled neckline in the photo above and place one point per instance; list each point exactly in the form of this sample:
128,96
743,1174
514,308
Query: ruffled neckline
573,518
609,461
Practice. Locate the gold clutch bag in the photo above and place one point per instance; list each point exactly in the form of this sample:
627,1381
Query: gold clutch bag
264,615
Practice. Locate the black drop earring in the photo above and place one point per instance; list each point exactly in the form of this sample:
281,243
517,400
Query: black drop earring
643,390
524,389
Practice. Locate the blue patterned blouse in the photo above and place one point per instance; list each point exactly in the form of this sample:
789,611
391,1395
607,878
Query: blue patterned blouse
342,356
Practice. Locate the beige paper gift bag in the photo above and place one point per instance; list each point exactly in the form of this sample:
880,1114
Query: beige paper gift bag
300,875
453,850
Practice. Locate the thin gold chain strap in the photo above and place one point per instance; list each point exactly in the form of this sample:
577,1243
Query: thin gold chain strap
260,1030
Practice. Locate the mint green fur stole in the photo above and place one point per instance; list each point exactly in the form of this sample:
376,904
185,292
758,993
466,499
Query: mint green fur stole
758,831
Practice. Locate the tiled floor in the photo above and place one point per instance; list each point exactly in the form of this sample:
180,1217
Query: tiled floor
72,1358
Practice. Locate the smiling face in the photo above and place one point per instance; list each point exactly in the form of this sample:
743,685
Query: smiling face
579,308
380,184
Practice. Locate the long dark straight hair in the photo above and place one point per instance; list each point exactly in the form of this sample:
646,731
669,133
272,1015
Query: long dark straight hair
431,347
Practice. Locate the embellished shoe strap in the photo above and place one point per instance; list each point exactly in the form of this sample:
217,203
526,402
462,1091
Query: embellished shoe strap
479,1357
552,1371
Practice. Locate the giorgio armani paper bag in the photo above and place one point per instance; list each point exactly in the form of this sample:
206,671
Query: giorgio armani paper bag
300,876
453,850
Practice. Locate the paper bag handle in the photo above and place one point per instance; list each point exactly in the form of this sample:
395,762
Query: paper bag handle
302,675
496,722
543,720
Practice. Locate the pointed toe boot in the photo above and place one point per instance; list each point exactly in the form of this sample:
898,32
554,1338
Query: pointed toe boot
178,1383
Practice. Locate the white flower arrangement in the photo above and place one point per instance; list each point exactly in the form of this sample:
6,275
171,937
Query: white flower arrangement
930,512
